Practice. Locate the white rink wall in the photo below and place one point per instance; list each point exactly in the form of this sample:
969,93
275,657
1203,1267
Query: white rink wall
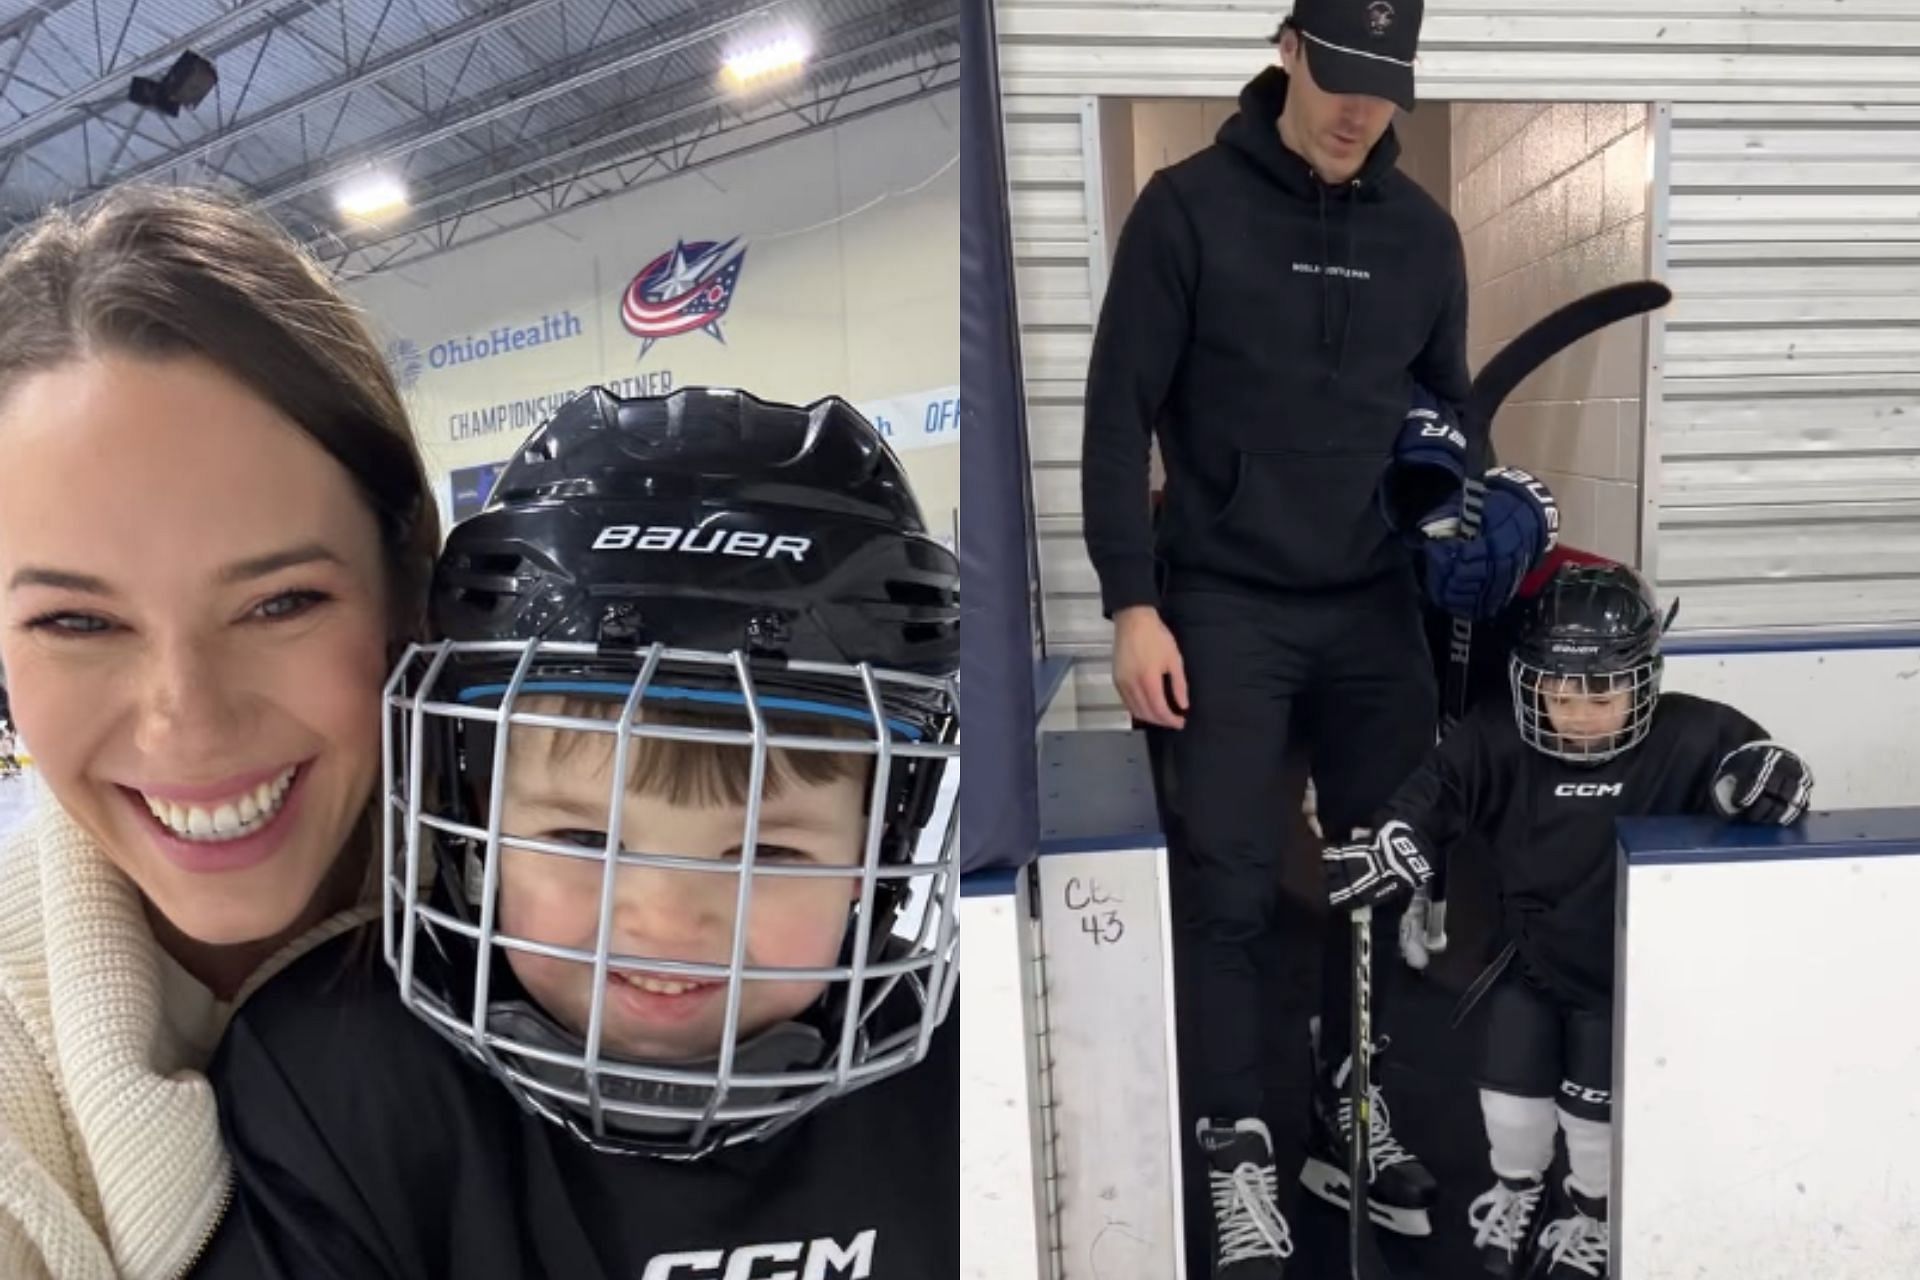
999,1228
1854,713
1767,1057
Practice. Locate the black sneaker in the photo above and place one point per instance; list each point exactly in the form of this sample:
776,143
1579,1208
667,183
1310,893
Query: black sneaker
1401,1190
1505,1222
1250,1238
1575,1247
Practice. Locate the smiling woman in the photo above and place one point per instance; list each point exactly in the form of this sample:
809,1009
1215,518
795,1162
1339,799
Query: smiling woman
214,532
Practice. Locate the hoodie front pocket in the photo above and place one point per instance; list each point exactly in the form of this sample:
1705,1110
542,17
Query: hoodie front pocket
1304,519
1234,494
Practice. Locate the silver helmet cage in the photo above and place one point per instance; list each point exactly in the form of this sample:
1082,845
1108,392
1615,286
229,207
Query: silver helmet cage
1532,684
441,880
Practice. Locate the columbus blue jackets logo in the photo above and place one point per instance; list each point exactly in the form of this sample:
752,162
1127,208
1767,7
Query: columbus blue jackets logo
689,287
403,357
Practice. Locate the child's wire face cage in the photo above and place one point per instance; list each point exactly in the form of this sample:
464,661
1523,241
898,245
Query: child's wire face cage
1584,717
453,712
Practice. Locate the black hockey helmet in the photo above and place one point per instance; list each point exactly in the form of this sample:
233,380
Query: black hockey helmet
765,564
706,519
1593,632
1591,618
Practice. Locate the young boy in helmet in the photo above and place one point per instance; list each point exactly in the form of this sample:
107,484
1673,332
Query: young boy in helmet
655,875
1586,738
1423,926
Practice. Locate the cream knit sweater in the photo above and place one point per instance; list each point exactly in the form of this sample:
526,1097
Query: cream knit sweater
110,1158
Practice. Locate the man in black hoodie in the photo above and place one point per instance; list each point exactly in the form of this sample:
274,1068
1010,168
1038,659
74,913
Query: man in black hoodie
1272,303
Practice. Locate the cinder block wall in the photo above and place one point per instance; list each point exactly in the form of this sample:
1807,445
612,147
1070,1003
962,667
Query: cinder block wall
1426,149
1552,203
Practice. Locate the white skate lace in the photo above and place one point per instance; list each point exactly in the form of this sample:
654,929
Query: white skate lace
1501,1216
1244,1207
1578,1242
1383,1148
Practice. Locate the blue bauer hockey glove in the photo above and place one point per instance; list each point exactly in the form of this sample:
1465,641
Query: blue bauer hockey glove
1476,577
1428,466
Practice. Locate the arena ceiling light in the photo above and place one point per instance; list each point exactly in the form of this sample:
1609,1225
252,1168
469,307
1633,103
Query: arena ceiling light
376,197
755,64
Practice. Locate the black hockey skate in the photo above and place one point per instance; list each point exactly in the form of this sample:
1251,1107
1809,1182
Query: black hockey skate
1575,1247
1505,1222
1250,1237
1402,1190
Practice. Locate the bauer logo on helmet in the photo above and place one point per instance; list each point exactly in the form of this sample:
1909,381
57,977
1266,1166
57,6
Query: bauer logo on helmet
749,543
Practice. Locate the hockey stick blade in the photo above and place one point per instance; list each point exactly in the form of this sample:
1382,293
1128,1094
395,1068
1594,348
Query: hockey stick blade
1548,337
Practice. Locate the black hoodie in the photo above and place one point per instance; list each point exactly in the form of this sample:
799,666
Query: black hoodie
1270,327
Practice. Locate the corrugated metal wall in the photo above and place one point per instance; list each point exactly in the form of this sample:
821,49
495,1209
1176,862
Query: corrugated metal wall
1787,424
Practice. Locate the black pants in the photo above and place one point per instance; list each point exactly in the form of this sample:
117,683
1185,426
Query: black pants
1357,665
1539,1047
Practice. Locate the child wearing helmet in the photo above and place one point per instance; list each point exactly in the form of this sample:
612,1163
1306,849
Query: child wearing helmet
669,917
1586,738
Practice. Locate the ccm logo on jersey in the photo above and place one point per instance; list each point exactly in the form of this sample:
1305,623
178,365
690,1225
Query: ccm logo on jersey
1588,788
703,542
822,1259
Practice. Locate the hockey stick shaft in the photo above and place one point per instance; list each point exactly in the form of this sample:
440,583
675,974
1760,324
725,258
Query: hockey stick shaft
1363,1248
1512,365
1473,500
1459,660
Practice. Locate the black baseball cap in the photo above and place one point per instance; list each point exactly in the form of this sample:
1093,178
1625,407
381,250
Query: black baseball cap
1361,46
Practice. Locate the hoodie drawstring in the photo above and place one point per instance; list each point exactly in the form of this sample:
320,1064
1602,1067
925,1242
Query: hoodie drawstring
1346,324
1326,269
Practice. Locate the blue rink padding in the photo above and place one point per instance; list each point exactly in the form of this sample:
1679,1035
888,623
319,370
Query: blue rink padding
1096,793
1845,833
1795,641
989,882
1049,674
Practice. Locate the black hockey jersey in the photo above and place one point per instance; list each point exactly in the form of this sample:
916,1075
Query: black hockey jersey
1550,824
367,1148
